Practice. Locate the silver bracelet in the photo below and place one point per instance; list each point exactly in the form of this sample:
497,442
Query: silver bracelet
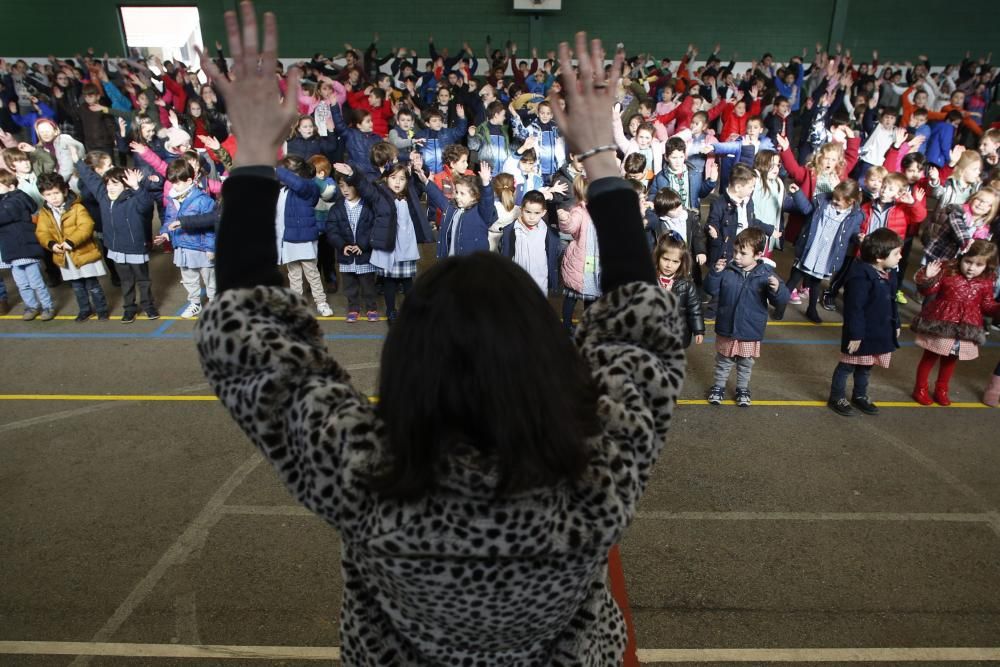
594,151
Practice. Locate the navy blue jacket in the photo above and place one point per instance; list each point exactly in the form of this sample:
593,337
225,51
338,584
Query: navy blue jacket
871,314
383,202
125,220
17,232
846,235
723,216
339,234
328,147
357,143
301,225
743,299
472,226
553,249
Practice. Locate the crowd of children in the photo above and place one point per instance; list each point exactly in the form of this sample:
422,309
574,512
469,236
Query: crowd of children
841,167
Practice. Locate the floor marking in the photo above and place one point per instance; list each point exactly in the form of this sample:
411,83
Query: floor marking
190,540
934,468
683,401
942,517
77,412
338,318
650,655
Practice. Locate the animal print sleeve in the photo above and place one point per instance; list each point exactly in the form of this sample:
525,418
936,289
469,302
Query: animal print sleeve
632,340
264,355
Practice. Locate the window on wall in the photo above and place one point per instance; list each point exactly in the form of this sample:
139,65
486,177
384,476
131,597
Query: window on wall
170,32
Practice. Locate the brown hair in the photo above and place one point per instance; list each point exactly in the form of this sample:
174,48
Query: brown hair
580,188
983,249
741,175
470,181
503,189
7,179
52,181
635,163
752,238
847,191
762,165
383,153
321,164
671,242
666,200
393,170
180,170
454,153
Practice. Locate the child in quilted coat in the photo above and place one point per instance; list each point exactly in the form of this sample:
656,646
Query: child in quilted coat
950,325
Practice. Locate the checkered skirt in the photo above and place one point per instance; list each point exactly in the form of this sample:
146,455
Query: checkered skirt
405,269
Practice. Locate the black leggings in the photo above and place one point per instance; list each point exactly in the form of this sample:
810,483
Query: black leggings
797,277
569,305
389,287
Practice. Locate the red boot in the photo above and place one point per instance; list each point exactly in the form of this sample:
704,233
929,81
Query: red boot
922,396
941,395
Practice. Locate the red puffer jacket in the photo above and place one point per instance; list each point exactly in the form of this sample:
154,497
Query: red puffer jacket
957,306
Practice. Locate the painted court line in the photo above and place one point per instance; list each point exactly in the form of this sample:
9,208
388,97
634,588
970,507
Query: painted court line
699,655
683,401
941,517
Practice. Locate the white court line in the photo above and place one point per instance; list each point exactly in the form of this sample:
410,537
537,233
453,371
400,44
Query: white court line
944,517
704,655
191,539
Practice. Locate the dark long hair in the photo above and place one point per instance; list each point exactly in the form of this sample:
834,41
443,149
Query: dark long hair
478,359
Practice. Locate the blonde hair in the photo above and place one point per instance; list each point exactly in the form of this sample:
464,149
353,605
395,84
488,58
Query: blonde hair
878,171
826,150
503,189
966,160
580,188
986,192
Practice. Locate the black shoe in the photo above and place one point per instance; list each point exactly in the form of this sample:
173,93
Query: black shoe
865,405
716,395
709,314
152,313
813,317
84,315
829,301
778,314
103,317
128,317
742,398
841,407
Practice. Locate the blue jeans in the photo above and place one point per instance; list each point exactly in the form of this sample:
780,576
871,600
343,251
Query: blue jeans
838,389
86,290
32,287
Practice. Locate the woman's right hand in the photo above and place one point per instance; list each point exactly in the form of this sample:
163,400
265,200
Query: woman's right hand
259,116
584,124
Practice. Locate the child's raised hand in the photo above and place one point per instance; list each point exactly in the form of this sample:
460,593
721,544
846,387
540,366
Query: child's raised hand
773,283
899,136
26,147
720,264
916,141
485,172
416,160
460,111
918,194
122,127
782,141
956,153
136,147
210,142
933,175
701,258
560,188
132,178
853,346
933,268
343,168
258,116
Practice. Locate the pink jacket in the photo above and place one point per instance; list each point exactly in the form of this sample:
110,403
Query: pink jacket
575,257
213,186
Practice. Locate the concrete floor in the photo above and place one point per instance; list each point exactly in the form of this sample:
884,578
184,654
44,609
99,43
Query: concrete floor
779,527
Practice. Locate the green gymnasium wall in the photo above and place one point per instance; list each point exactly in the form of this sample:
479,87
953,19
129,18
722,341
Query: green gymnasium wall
898,30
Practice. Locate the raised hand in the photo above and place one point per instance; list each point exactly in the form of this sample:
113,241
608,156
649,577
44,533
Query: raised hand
259,116
132,178
343,168
918,194
898,136
136,147
485,172
933,268
584,123
933,175
782,141
211,143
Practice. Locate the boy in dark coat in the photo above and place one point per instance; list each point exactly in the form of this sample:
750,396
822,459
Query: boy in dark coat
744,286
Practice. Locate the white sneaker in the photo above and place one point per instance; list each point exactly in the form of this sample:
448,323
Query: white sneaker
191,311
325,310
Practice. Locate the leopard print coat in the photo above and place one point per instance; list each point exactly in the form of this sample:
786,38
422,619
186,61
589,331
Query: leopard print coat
458,578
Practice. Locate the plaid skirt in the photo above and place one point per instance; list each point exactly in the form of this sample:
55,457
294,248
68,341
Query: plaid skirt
730,347
405,269
965,350
867,359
